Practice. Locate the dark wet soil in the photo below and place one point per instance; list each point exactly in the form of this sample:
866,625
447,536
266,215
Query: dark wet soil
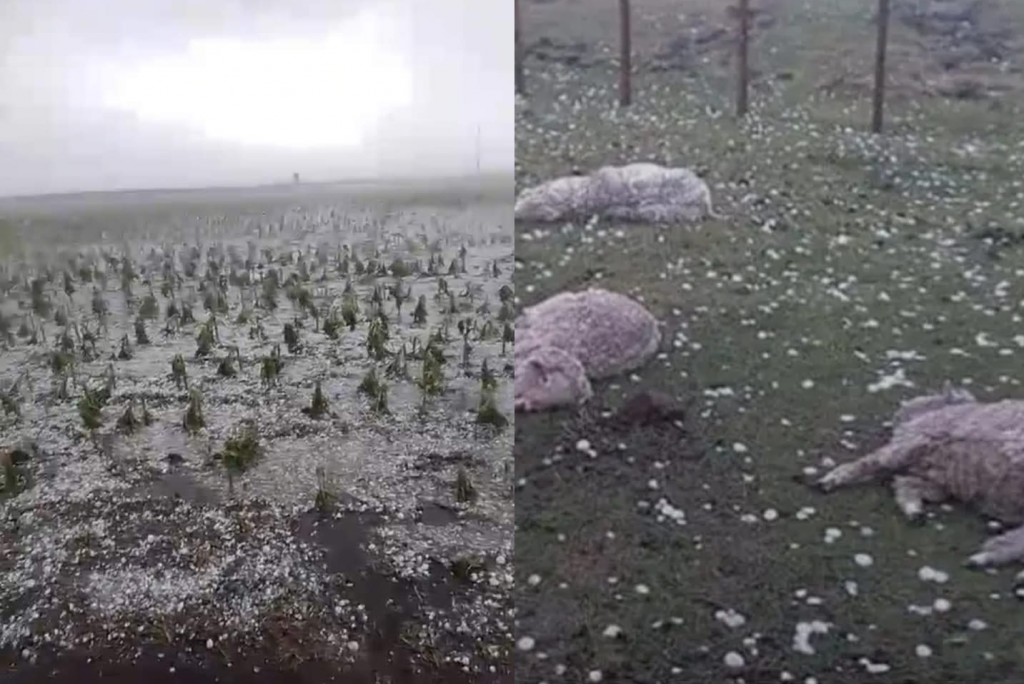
176,484
76,668
344,540
390,604
435,514
649,407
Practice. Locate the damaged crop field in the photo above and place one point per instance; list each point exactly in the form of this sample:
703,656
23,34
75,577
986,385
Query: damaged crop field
258,435
848,272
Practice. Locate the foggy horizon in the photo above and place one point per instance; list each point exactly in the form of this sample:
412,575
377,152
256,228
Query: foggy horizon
185,95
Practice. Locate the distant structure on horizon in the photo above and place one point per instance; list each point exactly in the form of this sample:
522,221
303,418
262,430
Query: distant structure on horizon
295,177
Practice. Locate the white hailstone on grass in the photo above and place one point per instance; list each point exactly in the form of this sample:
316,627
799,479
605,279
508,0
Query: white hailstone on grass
832,534
942,605
851,587
804,631
807,384
874,668
733,660
209,643
730,618
595,676
526,643
642,589
740,448
923,651
612,632
863,560
805,513
583,445
977,625
929,574
533,580
771,515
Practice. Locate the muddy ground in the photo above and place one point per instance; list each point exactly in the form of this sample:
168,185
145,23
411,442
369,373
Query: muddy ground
848,273
347,546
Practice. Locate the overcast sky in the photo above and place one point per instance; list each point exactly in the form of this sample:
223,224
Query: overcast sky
124,94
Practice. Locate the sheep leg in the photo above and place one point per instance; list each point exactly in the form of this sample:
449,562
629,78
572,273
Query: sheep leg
1001,549
865,469
912,492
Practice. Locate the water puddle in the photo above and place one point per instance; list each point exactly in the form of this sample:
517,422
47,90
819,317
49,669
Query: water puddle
435,514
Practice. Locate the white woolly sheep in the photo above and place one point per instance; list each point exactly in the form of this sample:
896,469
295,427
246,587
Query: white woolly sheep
951,447
564,341
641,192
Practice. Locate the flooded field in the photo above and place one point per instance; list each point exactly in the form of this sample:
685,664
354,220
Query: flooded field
263,432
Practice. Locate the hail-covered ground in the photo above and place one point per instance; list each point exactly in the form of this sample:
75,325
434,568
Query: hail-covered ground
277,497
849,272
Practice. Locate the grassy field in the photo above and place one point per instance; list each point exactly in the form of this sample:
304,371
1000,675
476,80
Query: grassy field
848,273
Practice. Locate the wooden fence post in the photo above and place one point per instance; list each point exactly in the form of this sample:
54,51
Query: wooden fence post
625,44
520,81
742,97
880,48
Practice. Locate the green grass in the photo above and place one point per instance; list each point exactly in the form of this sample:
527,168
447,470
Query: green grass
851,270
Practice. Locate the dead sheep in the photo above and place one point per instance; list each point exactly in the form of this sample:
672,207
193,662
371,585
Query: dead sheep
564,342
642,192
951,447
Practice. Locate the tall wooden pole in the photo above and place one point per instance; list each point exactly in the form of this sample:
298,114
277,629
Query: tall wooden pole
626,47
880,48
742,97
520,80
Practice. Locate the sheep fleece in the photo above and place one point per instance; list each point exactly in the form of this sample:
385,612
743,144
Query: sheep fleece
640,192
591,334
